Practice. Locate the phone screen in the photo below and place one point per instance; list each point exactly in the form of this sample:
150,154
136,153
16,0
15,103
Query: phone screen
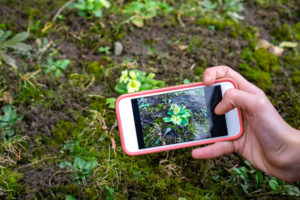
178,117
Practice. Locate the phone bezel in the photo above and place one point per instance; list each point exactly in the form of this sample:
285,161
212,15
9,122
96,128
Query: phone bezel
126,124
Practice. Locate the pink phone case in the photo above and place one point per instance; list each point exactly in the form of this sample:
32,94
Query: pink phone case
180,145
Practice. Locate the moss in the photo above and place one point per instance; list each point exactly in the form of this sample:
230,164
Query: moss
195,44
296,29
296,77
248,33
283,32
261,59
95,68
261,78
9,183
63,130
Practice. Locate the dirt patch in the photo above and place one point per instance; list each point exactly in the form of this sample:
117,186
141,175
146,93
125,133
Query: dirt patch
214,48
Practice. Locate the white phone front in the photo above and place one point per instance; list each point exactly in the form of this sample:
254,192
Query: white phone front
175,117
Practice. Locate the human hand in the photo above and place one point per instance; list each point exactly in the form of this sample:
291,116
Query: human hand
268,142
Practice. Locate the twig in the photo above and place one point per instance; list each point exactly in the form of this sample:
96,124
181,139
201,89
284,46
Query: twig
114,126
61,9
57,173
36,162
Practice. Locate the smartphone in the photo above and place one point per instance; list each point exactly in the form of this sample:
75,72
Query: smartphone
175,117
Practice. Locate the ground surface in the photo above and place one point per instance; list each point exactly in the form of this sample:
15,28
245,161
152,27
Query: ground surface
66,117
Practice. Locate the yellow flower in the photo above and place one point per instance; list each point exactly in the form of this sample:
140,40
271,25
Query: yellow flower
176,120
132,75
133,86
176,110
124,77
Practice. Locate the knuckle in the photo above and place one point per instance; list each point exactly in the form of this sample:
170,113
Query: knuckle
261,102
230,94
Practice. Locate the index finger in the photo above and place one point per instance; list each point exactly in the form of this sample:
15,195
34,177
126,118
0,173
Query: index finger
213,73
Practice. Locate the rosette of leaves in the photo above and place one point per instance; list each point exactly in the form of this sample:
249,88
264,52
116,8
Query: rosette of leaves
88,8
226,8
57,67
178,115
8,121
135,81
139,11
81,168
13,43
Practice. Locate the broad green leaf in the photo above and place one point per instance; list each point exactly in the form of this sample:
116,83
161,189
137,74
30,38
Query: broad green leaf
97,13
91,165
70,197
292,190
247,163
65,164
186,81
105,3
64,64
273,184
9,60
80,163
259,177
184,121
111,102
9,132
58,73
244,174
167,119
20,47
20,37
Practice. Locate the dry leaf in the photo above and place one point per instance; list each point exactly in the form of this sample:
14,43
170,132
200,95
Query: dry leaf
113,143
277,51
286,44
182,47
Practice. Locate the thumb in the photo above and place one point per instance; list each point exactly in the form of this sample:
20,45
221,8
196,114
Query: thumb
234,98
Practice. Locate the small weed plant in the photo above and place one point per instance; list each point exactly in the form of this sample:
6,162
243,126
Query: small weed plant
80,167
15,43
178,115
57,67
8,120
139,11
90,8
243,175
224,8
135,81
105,50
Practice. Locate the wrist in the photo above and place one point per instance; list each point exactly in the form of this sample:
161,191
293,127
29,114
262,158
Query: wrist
293,156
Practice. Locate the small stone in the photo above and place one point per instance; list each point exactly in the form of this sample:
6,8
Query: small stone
118,48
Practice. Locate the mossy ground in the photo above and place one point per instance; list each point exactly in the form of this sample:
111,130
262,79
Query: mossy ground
70,111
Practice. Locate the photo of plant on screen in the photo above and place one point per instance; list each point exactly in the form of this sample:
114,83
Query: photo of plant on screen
174,118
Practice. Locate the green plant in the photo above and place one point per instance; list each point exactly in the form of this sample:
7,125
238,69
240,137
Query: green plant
14,43
244,175
227,8
178,115
110,192
56,67
70,197
111,102
136,80
105,50
80,167
8,121
71,146
142,10
88,8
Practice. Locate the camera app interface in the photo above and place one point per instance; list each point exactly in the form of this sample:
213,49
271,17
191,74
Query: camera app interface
178,117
